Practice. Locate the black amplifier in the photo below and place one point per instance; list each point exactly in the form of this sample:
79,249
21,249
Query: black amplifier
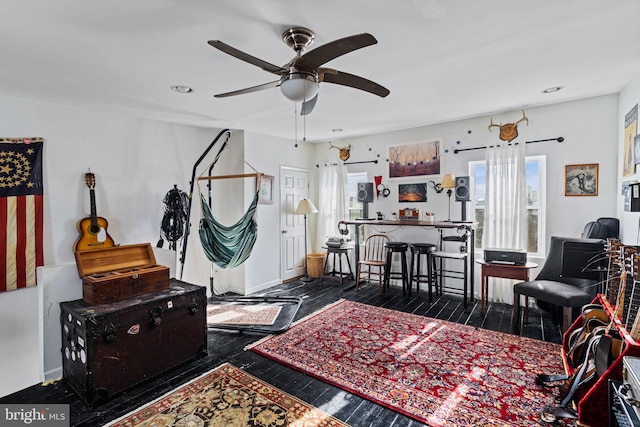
505,256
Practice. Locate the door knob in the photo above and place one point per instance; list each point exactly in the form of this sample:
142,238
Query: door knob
284,231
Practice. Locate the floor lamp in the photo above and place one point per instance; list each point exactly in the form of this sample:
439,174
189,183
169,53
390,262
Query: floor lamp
305,207
449,182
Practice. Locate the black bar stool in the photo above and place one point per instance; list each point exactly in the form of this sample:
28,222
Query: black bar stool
401,248
417,251
460,254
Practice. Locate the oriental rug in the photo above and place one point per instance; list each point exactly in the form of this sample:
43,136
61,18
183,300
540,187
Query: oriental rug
437,372
227,397
241,314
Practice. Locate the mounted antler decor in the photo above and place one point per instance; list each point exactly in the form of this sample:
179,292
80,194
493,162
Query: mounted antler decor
509,131
345,152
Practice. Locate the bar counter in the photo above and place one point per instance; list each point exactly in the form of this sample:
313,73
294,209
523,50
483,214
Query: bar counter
440,225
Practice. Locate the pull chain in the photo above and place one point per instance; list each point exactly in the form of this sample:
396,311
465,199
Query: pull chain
295,121
304,128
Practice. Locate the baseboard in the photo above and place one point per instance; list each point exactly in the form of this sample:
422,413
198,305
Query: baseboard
53,374
250,290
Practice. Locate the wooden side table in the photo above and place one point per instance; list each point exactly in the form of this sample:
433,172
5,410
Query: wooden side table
503,271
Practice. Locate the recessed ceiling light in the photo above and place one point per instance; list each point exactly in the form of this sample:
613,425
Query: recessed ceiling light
553,89
181,89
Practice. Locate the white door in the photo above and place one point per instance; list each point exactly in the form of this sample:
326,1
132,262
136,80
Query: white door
294,186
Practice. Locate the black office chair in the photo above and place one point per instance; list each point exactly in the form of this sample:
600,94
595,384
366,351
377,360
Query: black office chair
554,293
602,228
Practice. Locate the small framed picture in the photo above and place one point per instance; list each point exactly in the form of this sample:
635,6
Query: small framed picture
581,180
265,194
412,192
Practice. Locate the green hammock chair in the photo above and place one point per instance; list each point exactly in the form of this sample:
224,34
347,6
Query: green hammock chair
228,246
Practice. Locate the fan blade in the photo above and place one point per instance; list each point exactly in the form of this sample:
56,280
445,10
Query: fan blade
307,106
247,58
357,82
249,89
325,53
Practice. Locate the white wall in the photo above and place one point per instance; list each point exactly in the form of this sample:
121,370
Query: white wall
589,128
267,154
20,349
136,161
629,225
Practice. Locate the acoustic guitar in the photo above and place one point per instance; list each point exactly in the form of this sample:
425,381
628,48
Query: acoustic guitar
93,230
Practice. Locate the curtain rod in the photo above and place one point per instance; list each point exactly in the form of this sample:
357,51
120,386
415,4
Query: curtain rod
364,161
350,163
237,175
559,139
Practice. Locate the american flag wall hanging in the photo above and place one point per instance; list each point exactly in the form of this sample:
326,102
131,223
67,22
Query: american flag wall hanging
21,212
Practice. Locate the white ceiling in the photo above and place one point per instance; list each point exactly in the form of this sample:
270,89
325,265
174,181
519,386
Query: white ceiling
442,60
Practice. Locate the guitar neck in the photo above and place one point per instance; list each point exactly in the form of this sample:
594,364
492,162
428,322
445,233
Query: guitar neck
613,268
94,211
632,303
631,322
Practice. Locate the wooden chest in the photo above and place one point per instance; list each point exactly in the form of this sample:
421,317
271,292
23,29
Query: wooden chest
109,348
120,272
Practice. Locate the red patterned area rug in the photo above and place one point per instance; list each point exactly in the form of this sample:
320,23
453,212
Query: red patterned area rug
227,397
437,372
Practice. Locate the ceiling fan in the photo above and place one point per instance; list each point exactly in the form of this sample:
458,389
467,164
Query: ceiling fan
300,78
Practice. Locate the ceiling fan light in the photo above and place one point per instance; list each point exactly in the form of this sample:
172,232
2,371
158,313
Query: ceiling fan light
300,87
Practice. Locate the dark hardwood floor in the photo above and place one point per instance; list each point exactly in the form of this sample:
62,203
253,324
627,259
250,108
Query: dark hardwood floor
227,346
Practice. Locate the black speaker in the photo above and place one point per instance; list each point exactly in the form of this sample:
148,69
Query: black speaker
365,192
463,189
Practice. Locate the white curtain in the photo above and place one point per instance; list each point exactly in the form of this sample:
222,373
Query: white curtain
505,215
333,203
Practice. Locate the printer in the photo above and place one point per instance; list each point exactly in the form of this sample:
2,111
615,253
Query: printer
505,256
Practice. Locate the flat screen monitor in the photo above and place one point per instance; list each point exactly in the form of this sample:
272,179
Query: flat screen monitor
583,259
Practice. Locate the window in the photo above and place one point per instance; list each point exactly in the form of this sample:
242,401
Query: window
355,207
535,179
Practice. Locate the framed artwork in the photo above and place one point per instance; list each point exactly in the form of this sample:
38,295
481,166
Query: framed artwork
412,192
581,180
415,159
265,194
630,132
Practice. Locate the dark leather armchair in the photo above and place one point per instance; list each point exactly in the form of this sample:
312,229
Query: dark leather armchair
602,228
553,292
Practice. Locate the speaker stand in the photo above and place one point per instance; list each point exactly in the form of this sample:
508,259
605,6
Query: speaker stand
365,211
464,212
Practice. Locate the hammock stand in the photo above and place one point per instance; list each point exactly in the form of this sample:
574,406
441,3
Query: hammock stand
290,304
